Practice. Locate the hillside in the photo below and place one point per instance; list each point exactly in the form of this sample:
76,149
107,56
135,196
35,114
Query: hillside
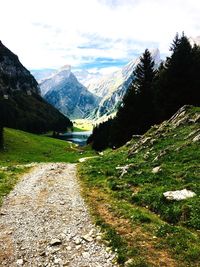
21,105
22,147
127,195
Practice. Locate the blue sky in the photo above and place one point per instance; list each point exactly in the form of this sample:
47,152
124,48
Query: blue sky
93,34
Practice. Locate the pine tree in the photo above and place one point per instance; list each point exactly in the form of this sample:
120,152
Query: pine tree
178,83
136,114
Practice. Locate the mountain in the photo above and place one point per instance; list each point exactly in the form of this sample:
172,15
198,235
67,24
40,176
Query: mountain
21,105
67,94
112,88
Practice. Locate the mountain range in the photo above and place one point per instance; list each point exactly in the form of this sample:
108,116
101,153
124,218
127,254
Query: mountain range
81,94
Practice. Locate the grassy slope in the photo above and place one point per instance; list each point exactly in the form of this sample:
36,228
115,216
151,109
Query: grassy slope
23,148
138,221
82,125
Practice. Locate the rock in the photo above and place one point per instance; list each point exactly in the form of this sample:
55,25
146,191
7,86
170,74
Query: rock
20,262
57,261
128,144
55,242
156,169
98,238
179,194
108,249
124,169
128,262
42,253
77,241
196,139
85,255
69,248
87,238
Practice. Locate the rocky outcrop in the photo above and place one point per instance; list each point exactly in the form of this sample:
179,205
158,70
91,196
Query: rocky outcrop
182,117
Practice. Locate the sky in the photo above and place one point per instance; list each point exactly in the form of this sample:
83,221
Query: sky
93,34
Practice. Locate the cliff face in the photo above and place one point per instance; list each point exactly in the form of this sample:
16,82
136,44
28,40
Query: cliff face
13,75
21,105
68,95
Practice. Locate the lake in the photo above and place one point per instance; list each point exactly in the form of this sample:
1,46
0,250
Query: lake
79,138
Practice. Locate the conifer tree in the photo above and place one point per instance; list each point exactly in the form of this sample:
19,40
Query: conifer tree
137,112
178,83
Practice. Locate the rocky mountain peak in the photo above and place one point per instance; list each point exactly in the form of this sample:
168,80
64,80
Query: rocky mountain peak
67,94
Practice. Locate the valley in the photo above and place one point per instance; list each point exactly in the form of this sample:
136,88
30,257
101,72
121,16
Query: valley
101,169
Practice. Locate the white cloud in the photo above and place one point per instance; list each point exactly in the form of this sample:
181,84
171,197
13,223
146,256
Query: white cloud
50,33
104,71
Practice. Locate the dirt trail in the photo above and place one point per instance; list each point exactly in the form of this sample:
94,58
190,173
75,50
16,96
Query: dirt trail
45,222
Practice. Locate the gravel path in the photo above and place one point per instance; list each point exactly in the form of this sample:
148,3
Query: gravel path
45,222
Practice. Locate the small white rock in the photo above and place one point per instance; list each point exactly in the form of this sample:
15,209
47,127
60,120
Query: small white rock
77,241
55,242
156,169
20,262
196,139
85,255
98,238
87,238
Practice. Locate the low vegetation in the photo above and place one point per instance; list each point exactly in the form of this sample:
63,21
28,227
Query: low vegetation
21,148
125,191
82,125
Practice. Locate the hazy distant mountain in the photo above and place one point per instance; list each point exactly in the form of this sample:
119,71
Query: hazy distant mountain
66,93
41,74
21,105
86,77
112,88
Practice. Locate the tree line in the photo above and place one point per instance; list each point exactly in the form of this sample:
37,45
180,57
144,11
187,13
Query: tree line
154,94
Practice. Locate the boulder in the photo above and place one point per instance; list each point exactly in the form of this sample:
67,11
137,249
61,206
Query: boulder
179,194
196,139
